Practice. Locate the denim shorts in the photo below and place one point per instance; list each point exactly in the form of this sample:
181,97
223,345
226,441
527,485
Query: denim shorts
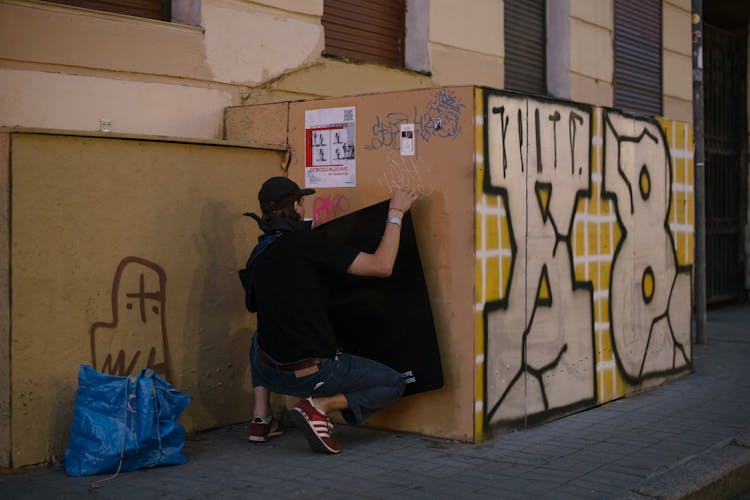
367,385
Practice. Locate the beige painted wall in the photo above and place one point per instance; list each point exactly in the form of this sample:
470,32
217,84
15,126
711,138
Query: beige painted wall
55,100
677,67
464,46
84,207
332,77
466,42
591,53
67,68
592,57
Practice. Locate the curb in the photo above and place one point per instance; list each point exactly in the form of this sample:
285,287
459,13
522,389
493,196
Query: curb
722,471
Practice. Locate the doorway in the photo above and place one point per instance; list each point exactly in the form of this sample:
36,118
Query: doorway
725,90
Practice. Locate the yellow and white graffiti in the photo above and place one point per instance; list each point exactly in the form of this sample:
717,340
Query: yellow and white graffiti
583,255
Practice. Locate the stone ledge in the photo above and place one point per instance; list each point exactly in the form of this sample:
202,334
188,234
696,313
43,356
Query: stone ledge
722,471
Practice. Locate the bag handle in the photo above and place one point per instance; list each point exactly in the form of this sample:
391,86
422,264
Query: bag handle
125,408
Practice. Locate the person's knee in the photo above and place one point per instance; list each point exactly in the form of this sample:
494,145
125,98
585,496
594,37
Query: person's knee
398,384
393,384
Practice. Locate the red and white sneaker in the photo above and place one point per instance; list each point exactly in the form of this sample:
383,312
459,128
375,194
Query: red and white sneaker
315,425
261,431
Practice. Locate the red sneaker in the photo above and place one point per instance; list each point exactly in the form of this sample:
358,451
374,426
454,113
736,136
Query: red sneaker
260,431
315,425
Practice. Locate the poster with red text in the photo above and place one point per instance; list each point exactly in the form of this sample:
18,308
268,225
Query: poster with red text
329,148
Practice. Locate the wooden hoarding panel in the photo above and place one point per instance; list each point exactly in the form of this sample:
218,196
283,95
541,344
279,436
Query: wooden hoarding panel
125,255
440,167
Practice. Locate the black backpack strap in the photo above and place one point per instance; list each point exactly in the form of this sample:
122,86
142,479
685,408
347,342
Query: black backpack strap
264,242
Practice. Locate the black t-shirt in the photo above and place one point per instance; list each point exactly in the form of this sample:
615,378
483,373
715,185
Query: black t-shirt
290,287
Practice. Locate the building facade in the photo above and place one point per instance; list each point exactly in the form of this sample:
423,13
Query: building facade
61,65
103,107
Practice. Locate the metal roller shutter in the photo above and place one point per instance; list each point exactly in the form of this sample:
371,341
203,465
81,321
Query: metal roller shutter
365,30
525,46
161,10
637,47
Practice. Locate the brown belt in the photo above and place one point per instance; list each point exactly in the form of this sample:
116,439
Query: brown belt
287,367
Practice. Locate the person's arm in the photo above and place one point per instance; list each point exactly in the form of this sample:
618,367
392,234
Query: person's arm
380,263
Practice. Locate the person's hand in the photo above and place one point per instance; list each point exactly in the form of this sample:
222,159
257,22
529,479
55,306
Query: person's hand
402,200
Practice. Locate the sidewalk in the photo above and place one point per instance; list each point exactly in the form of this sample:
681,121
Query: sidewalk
688,437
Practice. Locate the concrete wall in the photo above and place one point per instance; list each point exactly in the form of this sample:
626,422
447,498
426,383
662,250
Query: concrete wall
124,257
584,245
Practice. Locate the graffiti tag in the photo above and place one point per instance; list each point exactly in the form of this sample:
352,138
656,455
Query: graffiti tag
330,206
439,119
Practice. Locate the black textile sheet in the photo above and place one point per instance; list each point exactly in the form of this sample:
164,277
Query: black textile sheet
386,319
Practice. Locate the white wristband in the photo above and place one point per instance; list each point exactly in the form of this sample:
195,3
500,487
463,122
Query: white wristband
394,220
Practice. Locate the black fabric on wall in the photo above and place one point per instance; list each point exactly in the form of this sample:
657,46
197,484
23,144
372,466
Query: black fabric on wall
386,319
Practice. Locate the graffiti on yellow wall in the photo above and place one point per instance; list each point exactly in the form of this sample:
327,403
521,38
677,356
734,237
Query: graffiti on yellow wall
583,255
136,337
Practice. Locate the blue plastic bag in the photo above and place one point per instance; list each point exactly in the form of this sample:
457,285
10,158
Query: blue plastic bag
124,423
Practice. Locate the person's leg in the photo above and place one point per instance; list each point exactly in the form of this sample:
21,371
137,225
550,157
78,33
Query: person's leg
366,386
261,402
356,386
331,403
263,426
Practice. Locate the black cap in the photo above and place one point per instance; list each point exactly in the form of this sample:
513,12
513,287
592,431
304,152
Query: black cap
281,189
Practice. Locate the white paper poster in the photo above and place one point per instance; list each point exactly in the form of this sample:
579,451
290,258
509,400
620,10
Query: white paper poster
329,148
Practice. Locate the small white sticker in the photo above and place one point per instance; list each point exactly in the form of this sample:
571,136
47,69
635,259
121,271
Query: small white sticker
407,139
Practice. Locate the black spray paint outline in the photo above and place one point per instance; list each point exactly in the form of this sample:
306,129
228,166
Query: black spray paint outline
502,304
609,195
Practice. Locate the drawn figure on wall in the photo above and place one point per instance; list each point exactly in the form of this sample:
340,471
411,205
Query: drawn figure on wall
540,358
650,336
136,337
